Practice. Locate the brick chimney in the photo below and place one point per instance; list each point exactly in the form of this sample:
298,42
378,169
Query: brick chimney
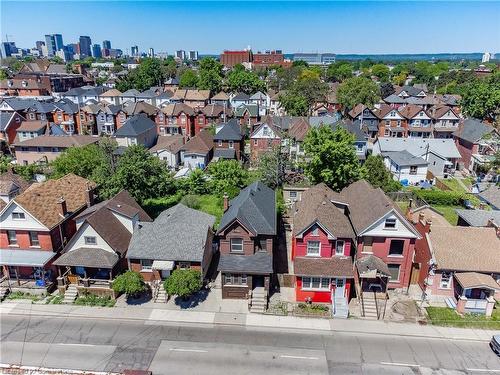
63,209
89,195
428,224
226,202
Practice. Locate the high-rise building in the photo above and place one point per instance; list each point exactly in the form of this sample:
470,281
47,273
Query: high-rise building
38,45
486,57
96,51
134,51
85,46
58,41
54,43
151,52
193,55
8,49
106,44
180,54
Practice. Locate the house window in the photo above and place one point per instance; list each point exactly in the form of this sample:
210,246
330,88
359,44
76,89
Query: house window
18,216
11,237
184,265
396,247
413,169
445,282
386,132
236,245
231,144
219,143
394,272
146,264
255,142
313,248
293,195
234,279
390,223
314,231
318,283
34,241
90,240
339,247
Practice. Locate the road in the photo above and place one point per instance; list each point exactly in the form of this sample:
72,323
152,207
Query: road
111,345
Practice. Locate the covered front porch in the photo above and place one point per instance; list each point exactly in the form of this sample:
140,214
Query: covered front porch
371,286
474,293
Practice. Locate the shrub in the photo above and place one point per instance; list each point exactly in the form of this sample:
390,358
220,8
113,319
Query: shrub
155,206
192,201
93,300
442,198
131,283
183,283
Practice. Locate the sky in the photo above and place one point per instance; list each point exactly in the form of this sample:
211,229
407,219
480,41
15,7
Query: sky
362,27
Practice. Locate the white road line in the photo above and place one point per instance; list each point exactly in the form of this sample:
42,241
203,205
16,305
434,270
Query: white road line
62,343
400,364
188,350
482,370
298,357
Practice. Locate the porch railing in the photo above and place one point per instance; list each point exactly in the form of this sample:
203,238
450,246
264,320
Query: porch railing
101,283
476,304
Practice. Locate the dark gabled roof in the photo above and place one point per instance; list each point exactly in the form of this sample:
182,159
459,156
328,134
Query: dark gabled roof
224,153
472,130
336,266
88,257
492,196
172,143
353,127
135,125
394,99
18,104
241,96
230,131
253,110
5,118
299,129
254,208
260,262
134,108
404,158
203,142
478,218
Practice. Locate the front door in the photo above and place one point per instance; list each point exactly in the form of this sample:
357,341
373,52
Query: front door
339,288
165,274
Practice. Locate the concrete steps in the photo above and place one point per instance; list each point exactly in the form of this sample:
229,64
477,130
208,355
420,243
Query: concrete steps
161,296
370,308
258,303
341,308
70,294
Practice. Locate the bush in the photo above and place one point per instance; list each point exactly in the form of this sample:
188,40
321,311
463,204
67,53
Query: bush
156,206
441,198
183,283
131,283
192,201
93,300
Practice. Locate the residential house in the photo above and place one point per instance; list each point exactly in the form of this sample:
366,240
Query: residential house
264,139
419,121
296,134
65,114
323,241
392,123
247,114
168,149
87,119
410,91
198,151
405,167
459,265
209,115
221,99
11,185
477,143
129,96
239,99
171,84
359,133
111,96
179,238
40,111
179,119
31,129
229,141
81,95
477,218
367,117
26,86
446,120
491,196
262,100
247,235
137,130
97,252
108,119
9,123
45,148
441,154
34,227
275,107
197,98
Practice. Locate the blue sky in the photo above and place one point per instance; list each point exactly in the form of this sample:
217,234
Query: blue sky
209,27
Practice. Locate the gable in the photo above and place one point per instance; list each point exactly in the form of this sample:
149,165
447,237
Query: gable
4,106
236,228
28,223
402,229
78,240
315,224
265,131
393,114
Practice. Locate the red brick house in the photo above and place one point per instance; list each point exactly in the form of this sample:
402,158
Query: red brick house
36,225
229,141
25,87
179,119
392,122
263,139
9,123
208,115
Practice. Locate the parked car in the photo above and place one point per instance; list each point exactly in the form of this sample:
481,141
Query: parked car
495,344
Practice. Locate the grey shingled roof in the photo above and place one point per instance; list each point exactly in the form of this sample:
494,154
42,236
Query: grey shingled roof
404,158
472,130
178,234
88,257
260,262
478,218
135,125
224,153
254,208
230,131
491,196
241,96
5,119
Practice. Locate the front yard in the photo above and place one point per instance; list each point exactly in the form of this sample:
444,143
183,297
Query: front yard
444,316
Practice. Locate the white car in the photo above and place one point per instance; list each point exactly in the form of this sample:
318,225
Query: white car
495,344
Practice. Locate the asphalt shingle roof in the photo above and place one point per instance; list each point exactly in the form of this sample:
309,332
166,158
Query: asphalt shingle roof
479,218
260,262
473,130
88,257
135,125
230,131
404,158
336,266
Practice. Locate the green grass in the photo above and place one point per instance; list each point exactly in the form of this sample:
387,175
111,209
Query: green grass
21,295
92,300
312,309
444,316
403,205
453,184
54,299
448,212
211,204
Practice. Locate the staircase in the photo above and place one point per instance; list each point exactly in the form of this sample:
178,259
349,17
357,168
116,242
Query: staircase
161,294
370,307
70,294
258,303
3,292
340,308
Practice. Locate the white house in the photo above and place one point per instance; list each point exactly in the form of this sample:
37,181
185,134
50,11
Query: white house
168,149
405,166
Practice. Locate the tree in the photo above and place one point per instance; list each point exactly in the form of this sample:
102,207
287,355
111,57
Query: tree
294,104
381,71
196,182
400,79
227,176
357,90
339,71
4,163
272,166
131,283
307,90
331,157
241,80
210,75
183,282
149,73
189,79
386,89
481,99
3,74
141,174
375,172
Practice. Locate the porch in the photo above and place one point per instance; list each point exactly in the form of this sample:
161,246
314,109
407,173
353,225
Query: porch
371,286
474,293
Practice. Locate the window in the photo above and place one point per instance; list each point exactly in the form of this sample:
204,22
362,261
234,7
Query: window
413,169
219,143
235,279
11,236
445,282
184,265
231,144
146,264
236,245
314,231
394,271
293,195
386,132
313,248
255,142
31,116
339,247
34,241
396,247
390,223
18,216
318,283
90,240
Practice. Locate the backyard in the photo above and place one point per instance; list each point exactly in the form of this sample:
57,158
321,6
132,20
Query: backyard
444,316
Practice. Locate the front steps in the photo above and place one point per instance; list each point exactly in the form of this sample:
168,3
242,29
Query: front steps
70,294
258,303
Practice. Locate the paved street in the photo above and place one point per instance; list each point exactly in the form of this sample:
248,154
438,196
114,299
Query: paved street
167,348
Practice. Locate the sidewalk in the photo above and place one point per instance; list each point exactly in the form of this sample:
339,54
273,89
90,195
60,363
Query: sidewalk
255,321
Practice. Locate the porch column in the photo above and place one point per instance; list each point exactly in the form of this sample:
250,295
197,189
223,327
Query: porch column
462,300
17,275
489,305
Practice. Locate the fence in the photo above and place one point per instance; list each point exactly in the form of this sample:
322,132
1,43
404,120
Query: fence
407,196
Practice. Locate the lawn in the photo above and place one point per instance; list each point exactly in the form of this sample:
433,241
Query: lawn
211,204
453,184
444,316
448,212
21,295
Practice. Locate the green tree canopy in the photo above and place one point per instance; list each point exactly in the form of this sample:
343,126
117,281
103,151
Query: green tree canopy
272,166
331,157
188,79
381,71
210,75
241,80
227,176
150,72
183,282
481,99
357,90
339,71
307,90
131,283
375,172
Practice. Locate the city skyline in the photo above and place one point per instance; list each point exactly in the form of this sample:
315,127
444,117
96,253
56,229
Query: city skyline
157,25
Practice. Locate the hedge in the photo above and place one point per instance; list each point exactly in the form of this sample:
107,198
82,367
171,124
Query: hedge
445,198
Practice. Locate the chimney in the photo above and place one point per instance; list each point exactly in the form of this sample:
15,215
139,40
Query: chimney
226,202
482,206
491,223
63,209
89,196
421,217
428,224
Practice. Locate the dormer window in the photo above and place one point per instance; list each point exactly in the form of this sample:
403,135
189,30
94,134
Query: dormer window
314,231
390,223
18,216
10,83
24,84
313,248
90,240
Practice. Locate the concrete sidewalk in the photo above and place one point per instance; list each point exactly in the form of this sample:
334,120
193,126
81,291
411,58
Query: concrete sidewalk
251,321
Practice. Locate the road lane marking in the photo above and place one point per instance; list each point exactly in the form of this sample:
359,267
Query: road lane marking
188,350
400,364
68,344
298,357
481,370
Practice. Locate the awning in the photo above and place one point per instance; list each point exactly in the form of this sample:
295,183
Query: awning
163,265
471,280
25,258
88,257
